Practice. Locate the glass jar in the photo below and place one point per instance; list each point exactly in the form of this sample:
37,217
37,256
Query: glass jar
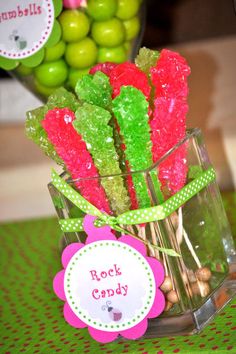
202,280
92,32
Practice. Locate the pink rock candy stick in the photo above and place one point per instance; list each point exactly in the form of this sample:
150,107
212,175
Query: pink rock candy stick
168,123
128,74
72,150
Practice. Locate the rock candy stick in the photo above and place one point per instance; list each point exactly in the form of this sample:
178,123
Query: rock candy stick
170,75
168,123
61,98
131,111
128,74
92,124
96,89
146,59
35,132
72,150
103,67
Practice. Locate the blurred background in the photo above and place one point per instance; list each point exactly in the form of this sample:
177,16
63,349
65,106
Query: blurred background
204,31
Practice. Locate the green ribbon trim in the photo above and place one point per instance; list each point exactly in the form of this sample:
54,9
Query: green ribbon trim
132,217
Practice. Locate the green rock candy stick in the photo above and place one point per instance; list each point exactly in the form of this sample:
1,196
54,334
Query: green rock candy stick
146,59
95,89
35,131
131,111
61,98
92,124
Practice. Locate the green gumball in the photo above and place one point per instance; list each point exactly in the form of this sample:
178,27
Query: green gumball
51,74
56,52
115,55
75,75
75,25
127,46
132,28
109,33
81,55
127,9
101,10
23,70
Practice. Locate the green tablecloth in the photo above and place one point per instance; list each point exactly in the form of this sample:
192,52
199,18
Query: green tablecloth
32,320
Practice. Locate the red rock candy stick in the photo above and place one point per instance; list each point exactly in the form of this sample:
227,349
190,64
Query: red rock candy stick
72,150
168,123
128,74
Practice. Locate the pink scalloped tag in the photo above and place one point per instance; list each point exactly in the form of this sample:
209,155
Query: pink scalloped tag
109,285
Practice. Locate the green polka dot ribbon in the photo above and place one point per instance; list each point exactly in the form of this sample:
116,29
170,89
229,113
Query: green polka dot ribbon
132,217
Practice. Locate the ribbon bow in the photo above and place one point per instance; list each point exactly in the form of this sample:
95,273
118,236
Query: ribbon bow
131,217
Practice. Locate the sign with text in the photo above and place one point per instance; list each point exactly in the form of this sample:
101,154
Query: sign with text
25,27
109,285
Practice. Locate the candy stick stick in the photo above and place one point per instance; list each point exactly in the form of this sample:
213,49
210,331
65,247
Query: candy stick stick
128,74
130,187
168,126
146,59
95,89
61,98
165,134
103,67
131,111
154,241
92,123
124,164
35,131
158,235
72,150
169,75
181,232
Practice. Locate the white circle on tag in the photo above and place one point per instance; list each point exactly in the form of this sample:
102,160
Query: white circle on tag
25,27
109,285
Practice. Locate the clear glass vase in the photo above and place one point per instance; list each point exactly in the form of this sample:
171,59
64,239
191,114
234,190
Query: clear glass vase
202,280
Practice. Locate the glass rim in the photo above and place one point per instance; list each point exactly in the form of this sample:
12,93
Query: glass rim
191,132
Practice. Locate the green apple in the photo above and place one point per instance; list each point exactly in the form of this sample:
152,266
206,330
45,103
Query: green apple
132,27
127,9
110,33
81,55
75,25
75,75
51,74
101,10
56,52
115,55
